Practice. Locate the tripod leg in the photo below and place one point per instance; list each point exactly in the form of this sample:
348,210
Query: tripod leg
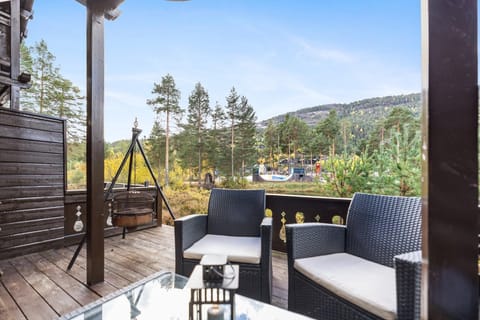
75,255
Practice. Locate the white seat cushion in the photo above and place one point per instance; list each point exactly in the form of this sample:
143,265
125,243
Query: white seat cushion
369,285
237,249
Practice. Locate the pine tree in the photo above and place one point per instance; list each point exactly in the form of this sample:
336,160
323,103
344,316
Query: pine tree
50,92
67,102
156,146
293,132
329,128
44,76
166,100
232,113
271,137
27,101
245,141
197,118
217,139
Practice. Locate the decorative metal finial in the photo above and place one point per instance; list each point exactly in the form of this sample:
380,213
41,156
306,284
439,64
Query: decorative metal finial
78,225
283,234
109,217
135,123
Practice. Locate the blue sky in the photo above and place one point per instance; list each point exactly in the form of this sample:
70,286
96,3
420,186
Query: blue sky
282,55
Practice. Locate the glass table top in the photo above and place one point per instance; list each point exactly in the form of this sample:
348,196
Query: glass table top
164,296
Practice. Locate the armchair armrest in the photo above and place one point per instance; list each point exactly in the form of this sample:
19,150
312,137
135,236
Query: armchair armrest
266,236
188,230
266,259
314,239
408,272
266,224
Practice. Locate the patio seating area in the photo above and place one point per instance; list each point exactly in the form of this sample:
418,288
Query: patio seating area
39,217
37,286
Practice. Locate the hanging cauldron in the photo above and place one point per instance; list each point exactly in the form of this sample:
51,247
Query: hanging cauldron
132,209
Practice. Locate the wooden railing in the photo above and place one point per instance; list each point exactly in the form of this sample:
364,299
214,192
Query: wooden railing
78,198
287,209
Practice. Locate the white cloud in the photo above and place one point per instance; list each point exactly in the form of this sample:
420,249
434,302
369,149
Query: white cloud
321,54
146,77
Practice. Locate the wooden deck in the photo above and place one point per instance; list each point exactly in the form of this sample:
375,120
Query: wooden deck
37,286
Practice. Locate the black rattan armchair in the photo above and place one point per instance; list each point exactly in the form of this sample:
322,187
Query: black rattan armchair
368,269
235,226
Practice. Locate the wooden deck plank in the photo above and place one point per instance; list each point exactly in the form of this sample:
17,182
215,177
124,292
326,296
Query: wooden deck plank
118,266
137,256
8,308
127,260
112,279
151,253
30,302
44,286
161,248
76,289
79,273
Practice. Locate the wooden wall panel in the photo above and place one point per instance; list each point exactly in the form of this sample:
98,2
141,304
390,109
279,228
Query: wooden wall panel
11,205
31,214
30,134
21,227
33,146
33,191
32,168
32,182
30,157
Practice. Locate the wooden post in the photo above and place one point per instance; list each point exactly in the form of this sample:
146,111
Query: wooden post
95,145
449,156
14,53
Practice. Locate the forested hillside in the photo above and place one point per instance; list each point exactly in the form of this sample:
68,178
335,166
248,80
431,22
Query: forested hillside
363,113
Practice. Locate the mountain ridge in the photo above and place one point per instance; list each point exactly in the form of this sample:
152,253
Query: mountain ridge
374,108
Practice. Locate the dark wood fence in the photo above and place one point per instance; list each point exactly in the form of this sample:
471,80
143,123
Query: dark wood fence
32,180
299,209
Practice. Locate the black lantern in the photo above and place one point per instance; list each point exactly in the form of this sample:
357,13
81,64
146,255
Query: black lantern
212,283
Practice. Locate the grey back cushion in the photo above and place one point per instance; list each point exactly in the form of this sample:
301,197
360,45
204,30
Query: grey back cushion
380,227
236,212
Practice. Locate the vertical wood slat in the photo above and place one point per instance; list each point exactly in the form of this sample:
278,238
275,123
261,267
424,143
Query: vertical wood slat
14,52
95,144
450,167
